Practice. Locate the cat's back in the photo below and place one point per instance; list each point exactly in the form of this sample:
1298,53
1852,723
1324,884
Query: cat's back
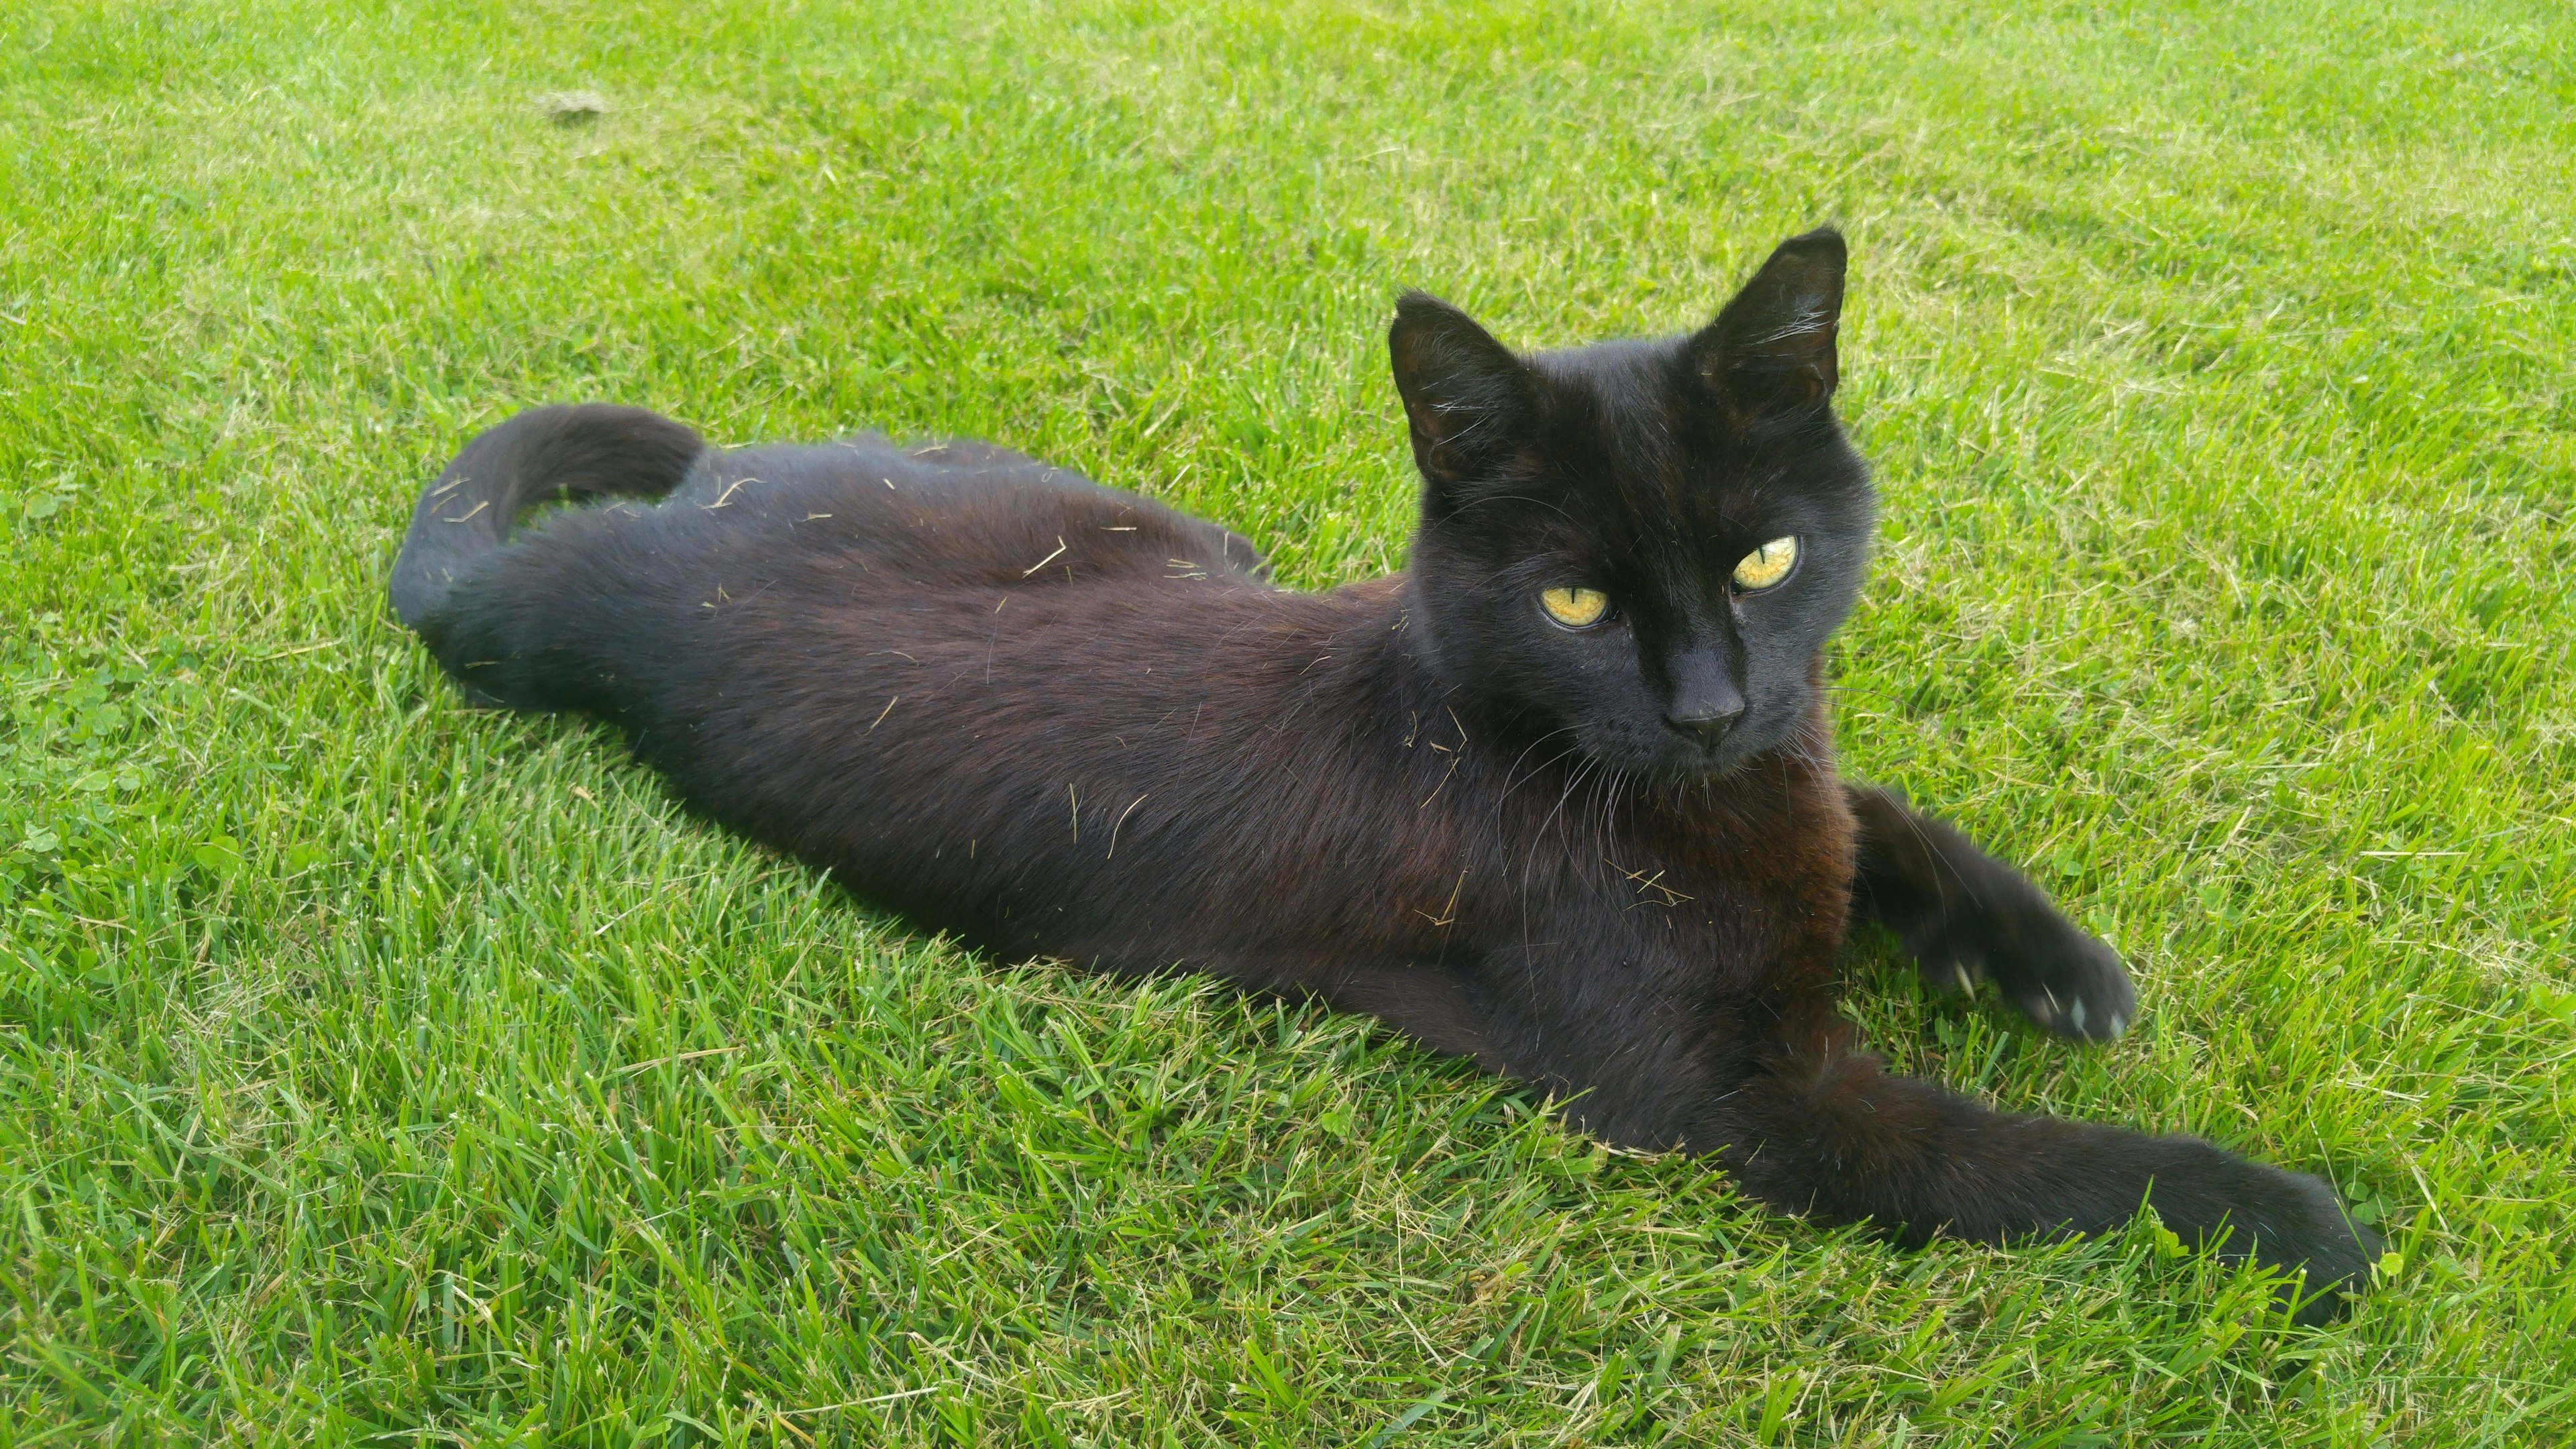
946,515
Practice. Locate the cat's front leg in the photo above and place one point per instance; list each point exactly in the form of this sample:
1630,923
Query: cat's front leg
1968,917
1815,1127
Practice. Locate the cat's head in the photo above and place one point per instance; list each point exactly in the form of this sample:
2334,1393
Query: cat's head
1639,548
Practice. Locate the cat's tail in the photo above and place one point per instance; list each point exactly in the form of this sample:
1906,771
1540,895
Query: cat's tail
586,449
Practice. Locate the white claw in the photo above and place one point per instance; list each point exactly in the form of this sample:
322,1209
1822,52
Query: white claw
2077,1014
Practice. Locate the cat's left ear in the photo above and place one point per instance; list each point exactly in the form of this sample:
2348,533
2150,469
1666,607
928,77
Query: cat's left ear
1770,353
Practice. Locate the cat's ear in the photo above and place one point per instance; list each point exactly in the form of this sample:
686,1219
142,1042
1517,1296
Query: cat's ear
1467,399
1770,353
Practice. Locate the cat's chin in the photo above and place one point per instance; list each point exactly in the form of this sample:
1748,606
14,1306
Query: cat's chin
1668,759
1675,764
1704,771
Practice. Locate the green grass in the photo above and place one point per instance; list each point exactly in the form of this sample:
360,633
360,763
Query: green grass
373,1068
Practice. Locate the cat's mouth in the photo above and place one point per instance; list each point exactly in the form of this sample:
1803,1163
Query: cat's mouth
1683,757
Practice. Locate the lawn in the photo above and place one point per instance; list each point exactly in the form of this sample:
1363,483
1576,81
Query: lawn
376,1069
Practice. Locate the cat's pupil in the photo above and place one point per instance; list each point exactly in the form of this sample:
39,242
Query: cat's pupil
1767,565
1575,608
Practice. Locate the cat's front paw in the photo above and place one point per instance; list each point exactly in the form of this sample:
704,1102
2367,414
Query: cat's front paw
2280,1219
2048,968
2064,979
2334,1252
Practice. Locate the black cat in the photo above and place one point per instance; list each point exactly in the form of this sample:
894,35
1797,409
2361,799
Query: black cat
1561,797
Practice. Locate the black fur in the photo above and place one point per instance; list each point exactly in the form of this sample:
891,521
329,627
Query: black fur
1061,720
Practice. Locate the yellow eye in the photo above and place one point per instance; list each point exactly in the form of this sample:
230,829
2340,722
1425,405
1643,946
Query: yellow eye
1575,608
1766,565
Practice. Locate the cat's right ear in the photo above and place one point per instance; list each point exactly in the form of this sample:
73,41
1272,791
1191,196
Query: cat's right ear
1467,399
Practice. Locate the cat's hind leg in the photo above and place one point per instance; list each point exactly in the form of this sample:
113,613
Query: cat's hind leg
1434,1004
1968,917
1430,1003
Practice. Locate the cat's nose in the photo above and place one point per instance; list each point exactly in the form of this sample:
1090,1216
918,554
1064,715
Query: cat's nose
1708,725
